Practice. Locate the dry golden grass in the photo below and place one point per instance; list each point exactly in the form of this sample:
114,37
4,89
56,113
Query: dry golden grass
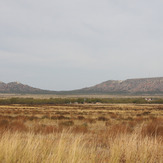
71,147
81,133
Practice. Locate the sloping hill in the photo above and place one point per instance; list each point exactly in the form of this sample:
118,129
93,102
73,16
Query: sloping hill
16,87
129,86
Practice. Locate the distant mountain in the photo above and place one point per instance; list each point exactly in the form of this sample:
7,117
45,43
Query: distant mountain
153,86
16,87
129,86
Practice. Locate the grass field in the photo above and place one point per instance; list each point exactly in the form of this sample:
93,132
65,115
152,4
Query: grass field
115,133
47,96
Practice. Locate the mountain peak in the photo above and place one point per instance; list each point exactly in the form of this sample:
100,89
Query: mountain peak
15,82
17,87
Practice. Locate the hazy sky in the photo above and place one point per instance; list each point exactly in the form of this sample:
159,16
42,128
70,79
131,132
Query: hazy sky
69,44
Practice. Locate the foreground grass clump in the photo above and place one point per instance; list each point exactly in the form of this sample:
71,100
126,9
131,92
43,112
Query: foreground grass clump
67,146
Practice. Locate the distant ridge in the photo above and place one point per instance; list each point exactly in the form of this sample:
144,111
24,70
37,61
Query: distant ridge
19,88
139,86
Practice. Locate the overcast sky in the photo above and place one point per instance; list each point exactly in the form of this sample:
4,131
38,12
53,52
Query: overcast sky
70,44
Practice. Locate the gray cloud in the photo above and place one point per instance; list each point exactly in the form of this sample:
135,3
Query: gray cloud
72,44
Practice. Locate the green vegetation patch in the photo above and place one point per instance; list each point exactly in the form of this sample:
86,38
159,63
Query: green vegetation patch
32,101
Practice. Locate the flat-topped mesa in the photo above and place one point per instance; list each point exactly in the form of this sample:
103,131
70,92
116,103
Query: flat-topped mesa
152,78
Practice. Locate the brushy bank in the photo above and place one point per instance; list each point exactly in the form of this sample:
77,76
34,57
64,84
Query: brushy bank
50,101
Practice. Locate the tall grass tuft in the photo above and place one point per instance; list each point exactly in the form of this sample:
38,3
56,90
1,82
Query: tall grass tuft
68,146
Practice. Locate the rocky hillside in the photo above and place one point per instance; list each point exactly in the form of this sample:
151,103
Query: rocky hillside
16,87
129,86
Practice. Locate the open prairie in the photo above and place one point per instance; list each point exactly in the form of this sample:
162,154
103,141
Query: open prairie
47,96
81,133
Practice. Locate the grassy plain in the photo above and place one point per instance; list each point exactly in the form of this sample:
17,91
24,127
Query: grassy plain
47,96
95,133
